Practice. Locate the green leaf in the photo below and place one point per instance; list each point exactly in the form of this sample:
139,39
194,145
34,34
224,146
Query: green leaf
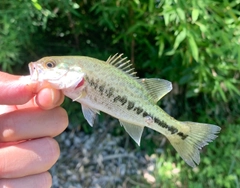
231,87
238,56
151,5
166,19
180,37
37,5
202,27
221,92
161,46
193,47
181,14
137,2
171,52
195,14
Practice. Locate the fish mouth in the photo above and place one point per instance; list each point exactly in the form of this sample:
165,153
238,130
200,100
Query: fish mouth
33,71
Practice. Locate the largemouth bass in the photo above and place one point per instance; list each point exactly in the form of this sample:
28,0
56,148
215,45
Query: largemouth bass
112,87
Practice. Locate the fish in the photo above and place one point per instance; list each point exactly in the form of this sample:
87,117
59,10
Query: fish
112,87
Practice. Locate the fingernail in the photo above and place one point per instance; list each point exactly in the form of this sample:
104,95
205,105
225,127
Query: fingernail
55,96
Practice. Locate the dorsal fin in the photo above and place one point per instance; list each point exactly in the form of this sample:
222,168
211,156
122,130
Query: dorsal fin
156,87
122,63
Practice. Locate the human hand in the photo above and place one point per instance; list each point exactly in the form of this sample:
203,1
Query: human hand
28,121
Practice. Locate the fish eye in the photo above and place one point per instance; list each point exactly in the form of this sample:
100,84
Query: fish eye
50,64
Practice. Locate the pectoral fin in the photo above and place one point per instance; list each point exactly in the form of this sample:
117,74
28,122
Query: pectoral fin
82,94
89,114
133,130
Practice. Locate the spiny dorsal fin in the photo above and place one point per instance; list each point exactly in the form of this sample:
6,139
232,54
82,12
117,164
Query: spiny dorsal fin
156,87
122,64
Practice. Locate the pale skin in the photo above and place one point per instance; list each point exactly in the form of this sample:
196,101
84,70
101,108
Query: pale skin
29,119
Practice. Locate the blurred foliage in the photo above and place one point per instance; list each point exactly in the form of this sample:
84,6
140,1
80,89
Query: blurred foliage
19,21
194,44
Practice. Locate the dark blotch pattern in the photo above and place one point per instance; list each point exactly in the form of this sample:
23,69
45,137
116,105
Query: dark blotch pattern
131,105
173,130
117,98
183,136
145,114
160,123
101,88
109,92
123,99
138,110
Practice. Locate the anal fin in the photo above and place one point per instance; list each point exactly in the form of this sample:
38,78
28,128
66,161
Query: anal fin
134,131
89,114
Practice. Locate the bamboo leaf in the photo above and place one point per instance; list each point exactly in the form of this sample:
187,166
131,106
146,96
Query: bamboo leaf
151,5
180,37
36,5
181,14
193,47
195,14
161,46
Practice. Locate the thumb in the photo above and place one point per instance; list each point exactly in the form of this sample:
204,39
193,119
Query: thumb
15,90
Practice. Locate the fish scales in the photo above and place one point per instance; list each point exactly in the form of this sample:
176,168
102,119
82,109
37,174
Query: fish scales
112,87
116,91
121,96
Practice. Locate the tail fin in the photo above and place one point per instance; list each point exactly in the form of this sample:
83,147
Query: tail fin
200,134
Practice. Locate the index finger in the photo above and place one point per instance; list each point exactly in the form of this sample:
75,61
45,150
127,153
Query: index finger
15,89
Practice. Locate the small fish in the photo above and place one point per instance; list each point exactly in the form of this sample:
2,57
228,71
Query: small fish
112,87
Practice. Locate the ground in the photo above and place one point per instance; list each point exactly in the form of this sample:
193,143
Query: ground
100,160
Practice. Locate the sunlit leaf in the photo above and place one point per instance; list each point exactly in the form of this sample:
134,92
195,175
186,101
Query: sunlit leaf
166,19
170,52
180,37
202,27
161,46
193,47
195,14
151,5
37,5
181,14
